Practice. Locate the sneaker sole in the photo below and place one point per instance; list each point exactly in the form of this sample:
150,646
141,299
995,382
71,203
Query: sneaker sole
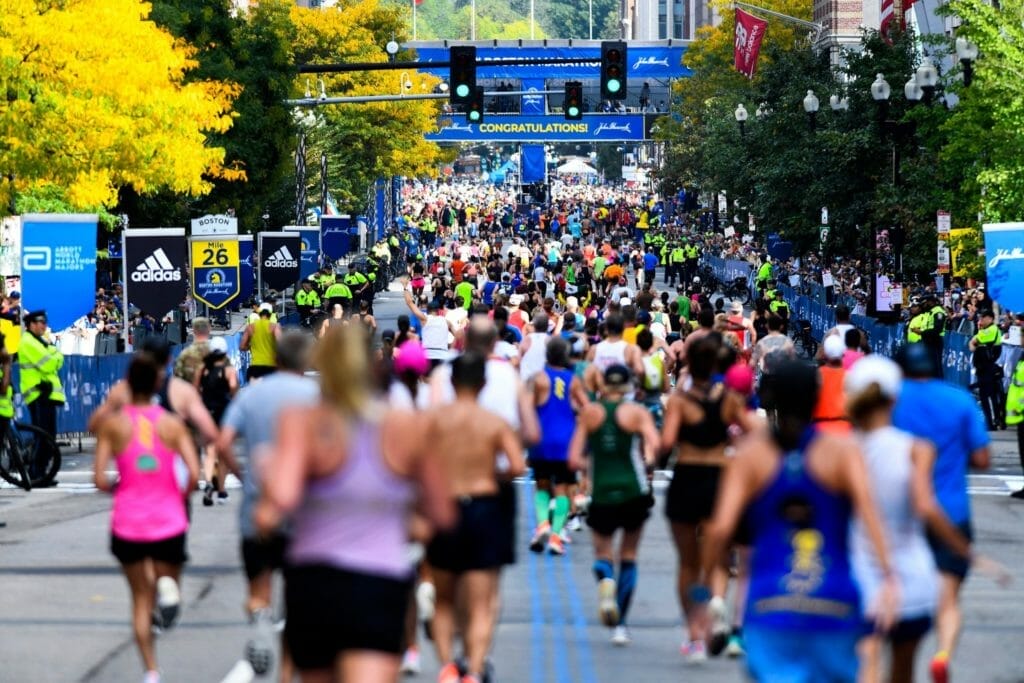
538,544
259,656
607,606
168,601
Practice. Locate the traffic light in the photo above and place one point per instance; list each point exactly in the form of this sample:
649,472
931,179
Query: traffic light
475,106
613,70
573,104
462,73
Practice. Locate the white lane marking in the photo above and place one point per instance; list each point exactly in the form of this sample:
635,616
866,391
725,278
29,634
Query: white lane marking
241,672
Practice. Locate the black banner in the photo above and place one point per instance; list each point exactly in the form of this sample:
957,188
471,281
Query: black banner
156,267
280,259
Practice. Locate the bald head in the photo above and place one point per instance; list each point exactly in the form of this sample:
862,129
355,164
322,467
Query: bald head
481,334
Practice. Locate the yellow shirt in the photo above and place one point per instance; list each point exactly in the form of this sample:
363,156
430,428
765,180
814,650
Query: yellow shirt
262,345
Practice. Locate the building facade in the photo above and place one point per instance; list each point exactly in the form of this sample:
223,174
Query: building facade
667,19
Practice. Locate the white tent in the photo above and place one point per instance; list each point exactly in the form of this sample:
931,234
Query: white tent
576,167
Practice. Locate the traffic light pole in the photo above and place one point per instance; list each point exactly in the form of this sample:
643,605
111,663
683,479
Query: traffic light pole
359,99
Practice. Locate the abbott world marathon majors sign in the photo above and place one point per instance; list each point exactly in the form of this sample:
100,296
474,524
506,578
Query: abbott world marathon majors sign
505,128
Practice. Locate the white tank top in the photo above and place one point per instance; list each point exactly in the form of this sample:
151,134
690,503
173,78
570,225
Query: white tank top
435,337
607,354
887,455
535,357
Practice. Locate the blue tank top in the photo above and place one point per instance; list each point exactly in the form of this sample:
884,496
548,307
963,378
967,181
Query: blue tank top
800,570
557,419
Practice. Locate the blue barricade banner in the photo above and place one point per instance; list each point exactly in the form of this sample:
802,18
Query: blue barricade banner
1004,251
334,236
246,271
533,104
532,160
58,265
654,61
539,128
310,242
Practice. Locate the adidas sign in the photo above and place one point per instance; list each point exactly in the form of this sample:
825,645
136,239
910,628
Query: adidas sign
282,258
156,268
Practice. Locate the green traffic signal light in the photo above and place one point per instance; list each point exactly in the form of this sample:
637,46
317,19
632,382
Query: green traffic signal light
462,90
613,85
473,115
574,111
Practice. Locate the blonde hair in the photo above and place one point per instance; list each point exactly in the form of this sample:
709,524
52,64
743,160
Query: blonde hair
861,405
342,358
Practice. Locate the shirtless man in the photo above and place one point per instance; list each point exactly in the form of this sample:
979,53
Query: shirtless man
612,350
468,439
175,394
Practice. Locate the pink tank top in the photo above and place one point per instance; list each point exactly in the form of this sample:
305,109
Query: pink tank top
148,505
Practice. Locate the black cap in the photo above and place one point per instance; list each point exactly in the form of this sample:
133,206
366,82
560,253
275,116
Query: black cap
986,313
916,360
388,335
617,375
35,316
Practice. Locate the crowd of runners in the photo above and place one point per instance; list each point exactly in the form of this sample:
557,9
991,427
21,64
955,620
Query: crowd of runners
819,512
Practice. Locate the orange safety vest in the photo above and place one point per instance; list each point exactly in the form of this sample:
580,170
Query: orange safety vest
830,412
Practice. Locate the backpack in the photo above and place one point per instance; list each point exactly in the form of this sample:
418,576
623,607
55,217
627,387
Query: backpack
215,390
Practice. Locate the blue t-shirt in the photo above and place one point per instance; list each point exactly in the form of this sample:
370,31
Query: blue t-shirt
947,416
650,261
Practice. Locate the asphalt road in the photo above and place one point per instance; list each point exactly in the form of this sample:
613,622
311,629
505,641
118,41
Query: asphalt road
65,609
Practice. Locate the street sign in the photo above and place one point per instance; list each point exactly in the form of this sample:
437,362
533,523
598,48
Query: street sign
943,221
210,225
824,215
823,234
943,258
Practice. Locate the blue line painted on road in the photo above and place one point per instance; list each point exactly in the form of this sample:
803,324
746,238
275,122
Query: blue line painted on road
537,642
557,619
585,669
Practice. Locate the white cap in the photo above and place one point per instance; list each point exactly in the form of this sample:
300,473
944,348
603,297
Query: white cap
217,345
266,307
835,347
874,369
625,301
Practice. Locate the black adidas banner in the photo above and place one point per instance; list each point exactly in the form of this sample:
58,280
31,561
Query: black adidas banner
280,259
155,266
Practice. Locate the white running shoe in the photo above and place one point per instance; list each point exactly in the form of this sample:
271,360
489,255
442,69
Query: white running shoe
607,605
720,626
168,601
411,662
574,523
695,652
425,598
259,649
152,677
620,636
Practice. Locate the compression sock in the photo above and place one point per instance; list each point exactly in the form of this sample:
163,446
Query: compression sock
561,514
603,569
626,586
541,501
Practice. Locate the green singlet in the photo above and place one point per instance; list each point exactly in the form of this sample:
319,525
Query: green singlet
616,465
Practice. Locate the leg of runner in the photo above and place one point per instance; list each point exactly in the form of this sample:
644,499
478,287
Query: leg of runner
627,582
695,615
948,621
444,624
542,507
559,517
141,581
480,587
734,648
604,572
360,666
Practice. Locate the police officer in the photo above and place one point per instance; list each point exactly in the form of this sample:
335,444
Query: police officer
307,301
764,274
40,361
360,286
779,307
1015,414
918,321
339,293
934,333
692,255
676,259
986,347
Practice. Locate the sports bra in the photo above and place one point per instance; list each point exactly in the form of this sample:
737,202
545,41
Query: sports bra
711,431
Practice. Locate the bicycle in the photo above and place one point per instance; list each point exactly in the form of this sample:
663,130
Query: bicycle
805,344
25,448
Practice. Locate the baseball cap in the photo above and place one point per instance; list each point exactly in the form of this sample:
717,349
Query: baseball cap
388,335
410,357
874,369
835,347
266,307
625,301
617,375
14,295
217,345
35,316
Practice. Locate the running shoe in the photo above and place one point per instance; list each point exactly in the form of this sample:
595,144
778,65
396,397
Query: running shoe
168,601
425,597
222,497
720,627
939,668
620,636
581,503
208,492
449,674
259,649
411,662
734,649
694,651
152,677
540,537
566,537
1018,494
607,605
555,546
574,523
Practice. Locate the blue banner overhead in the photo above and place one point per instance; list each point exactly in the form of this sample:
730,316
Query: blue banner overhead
532,159
1004,251
511,128
335,232
58,265
533,104
247,273
310,242
653,61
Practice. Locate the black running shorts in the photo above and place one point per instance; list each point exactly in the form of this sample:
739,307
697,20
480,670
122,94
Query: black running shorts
169,551
555,471
263,555
478,540
333,610
692,493
630,515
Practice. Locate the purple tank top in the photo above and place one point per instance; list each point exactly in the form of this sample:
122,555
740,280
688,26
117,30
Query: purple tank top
356,518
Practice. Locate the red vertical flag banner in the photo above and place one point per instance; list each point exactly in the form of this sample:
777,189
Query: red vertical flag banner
749,33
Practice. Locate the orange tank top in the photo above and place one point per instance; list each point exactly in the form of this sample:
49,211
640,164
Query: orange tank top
830,412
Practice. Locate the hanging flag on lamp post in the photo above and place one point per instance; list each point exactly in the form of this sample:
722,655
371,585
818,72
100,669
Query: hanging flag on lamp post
748,33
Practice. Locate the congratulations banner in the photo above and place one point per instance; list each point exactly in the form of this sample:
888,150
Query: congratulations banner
247,273
309,236
156,263
58,265
335,232
511,128
215,270
655,61
1004,249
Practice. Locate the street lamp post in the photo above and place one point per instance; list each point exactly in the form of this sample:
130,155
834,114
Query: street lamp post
838,103
741,118
811,104
967,52
927,78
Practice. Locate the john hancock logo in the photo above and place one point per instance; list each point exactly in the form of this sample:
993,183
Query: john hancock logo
216,283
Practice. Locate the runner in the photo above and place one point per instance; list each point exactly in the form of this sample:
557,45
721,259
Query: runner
149,447
620,439
950,419
348,473
260,338
552,391
830,412
467,439
800,489
253,416
697,419
217,382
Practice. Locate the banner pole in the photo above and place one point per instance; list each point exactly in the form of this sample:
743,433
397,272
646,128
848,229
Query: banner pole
257,254
124,284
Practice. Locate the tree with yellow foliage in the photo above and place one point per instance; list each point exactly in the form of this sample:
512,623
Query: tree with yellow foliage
95,98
